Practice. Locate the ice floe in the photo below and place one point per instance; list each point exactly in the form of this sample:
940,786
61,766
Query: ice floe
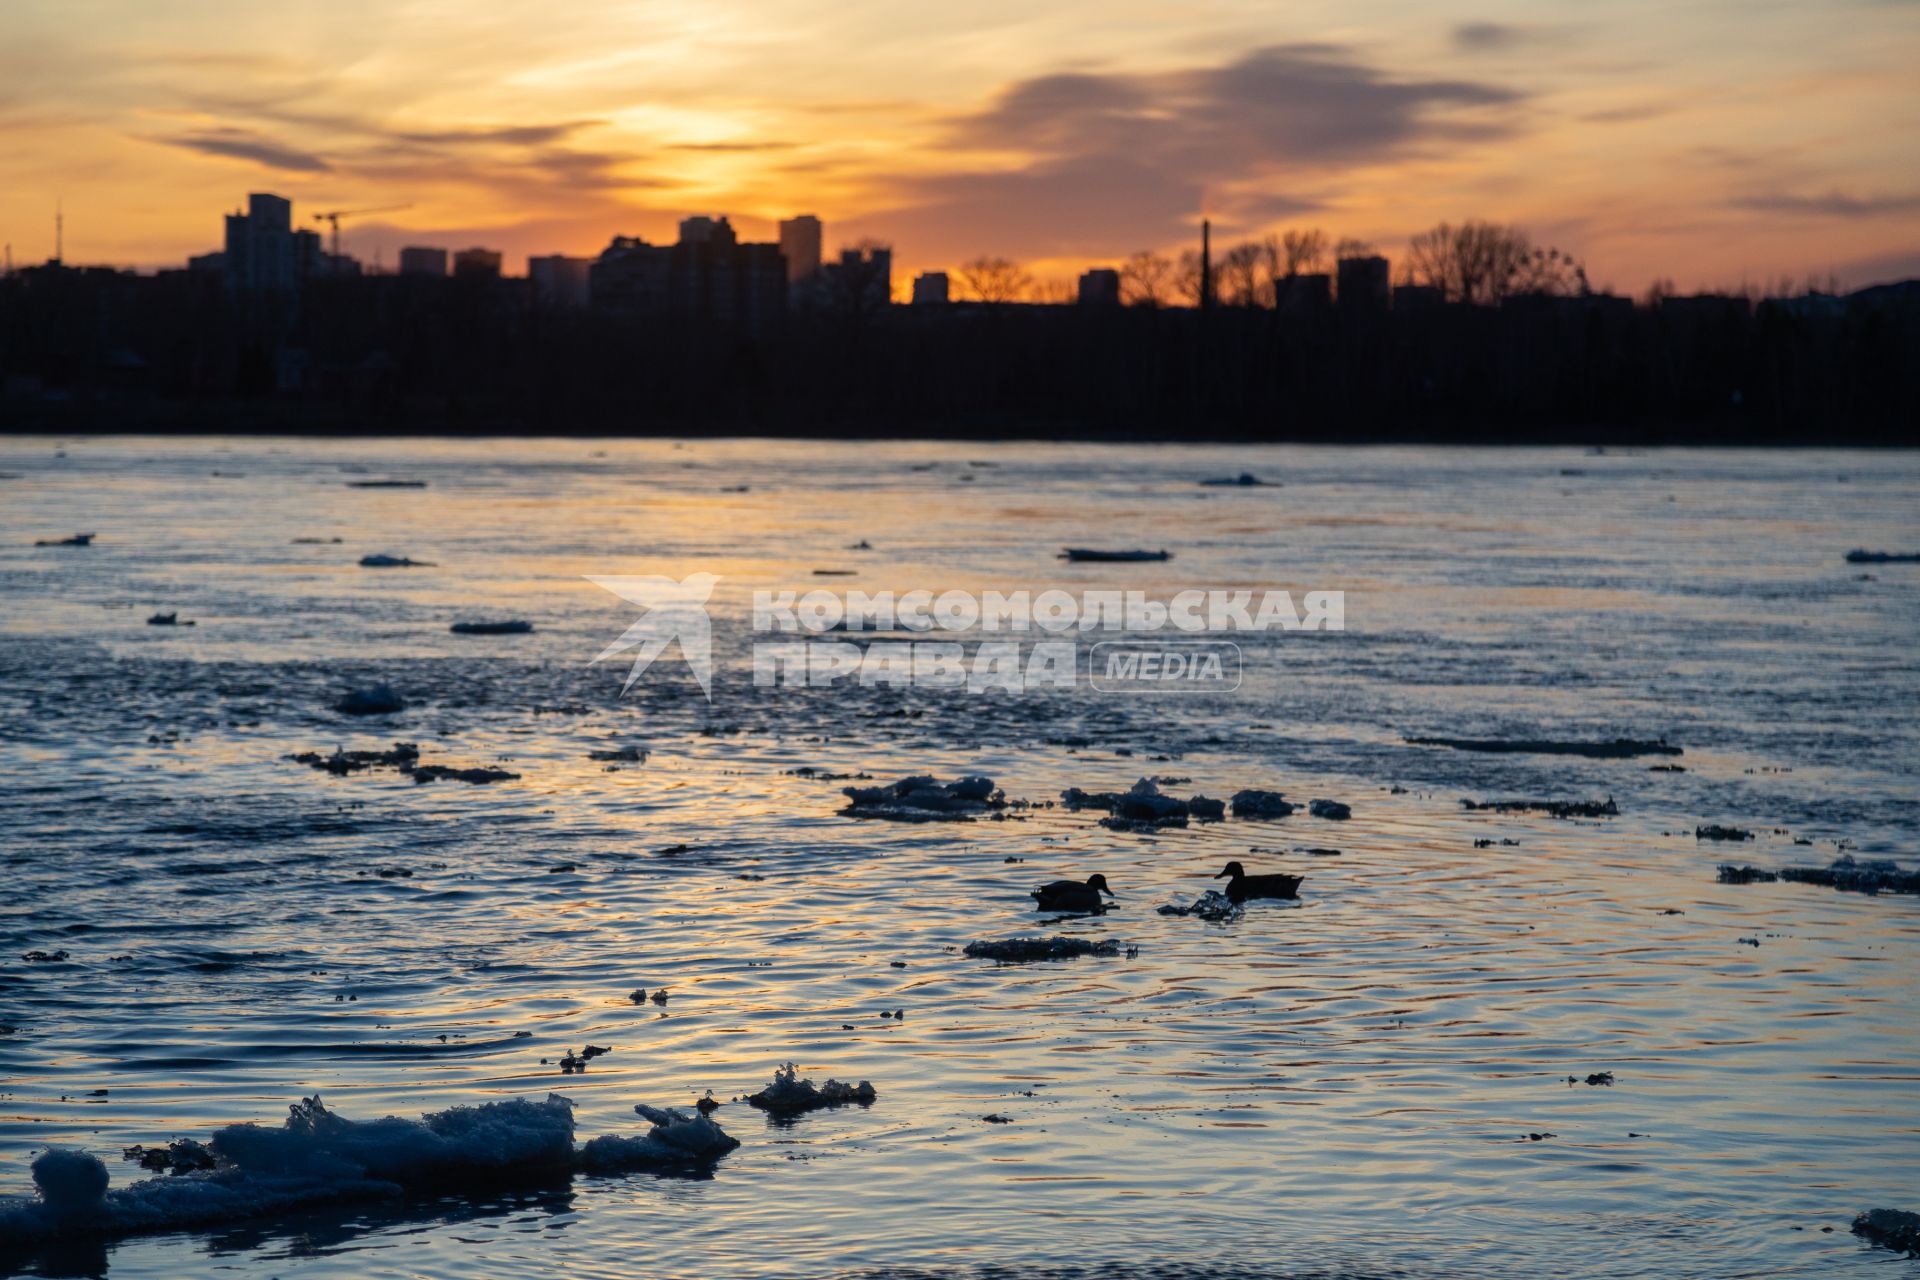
510,627
1869,876
1144,806
1893,1229
318,1157
1614,749
1026,950
924,798
376,700
1211,905
789,1094
675,1139
1097,556
1260,804
182,1155
403,756
1552,808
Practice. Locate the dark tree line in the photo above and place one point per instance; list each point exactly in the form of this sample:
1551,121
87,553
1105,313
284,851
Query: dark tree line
101,350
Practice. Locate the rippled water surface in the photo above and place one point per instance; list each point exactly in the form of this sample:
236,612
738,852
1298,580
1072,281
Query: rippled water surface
1345,1085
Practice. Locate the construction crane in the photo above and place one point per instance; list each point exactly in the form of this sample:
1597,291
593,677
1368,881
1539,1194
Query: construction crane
332,218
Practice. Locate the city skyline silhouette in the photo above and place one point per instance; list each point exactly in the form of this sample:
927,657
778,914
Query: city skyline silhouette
1649,144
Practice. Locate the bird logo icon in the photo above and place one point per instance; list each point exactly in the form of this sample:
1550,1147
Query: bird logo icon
676,611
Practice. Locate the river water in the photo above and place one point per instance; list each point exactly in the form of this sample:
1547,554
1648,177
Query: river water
1343,1085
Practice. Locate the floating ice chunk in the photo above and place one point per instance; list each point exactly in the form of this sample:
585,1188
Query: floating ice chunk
460,1143
182,1155
477,776
379,700
1871,876
1144,805
1211,905
319,1157
1330,809
676,1138
1614,749
1026,950
790,1094
513,627
1552,808
1206,810
72,1183
1095,555
404,755
923,798
1890,1229
1260,804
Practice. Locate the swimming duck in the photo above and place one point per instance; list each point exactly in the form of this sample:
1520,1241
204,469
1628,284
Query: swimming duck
1071,895
1241,886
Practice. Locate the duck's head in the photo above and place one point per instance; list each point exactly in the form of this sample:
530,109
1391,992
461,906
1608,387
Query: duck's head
1233,870
1098,881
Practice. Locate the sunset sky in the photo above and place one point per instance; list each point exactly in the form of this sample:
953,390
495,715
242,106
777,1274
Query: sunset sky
1708,142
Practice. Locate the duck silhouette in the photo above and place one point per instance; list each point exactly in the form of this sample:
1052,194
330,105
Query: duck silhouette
1072,895
1241,886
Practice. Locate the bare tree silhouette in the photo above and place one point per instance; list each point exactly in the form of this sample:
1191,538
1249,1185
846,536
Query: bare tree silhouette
1054,291
1302,251
995,280
1483,262
1273,261
1146,279
1239,275
1187,283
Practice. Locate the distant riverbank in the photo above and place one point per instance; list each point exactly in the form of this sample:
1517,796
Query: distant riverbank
40,416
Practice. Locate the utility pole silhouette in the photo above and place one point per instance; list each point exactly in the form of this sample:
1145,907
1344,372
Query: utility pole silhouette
59,230
1202,364
1206,265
